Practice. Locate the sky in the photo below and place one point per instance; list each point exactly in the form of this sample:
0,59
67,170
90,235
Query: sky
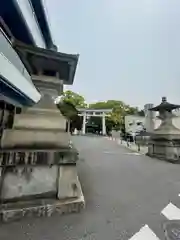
129,49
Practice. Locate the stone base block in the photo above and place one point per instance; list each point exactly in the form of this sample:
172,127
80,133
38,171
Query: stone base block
68,182
23,138
41,208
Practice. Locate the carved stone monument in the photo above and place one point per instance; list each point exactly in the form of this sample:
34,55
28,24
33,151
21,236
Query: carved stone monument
38,174
164,141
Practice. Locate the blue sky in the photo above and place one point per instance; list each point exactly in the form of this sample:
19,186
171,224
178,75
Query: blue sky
129,49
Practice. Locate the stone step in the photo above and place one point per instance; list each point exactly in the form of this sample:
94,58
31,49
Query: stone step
40,208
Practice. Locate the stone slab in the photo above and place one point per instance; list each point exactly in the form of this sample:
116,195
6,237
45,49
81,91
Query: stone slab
58,207
41,180
33,157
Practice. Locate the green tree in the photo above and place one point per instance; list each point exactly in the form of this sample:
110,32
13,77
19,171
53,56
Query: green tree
70,101
119,110
67,109
71,114
75,99
110,104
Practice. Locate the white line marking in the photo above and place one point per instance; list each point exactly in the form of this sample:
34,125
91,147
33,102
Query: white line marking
171,212
133,153
108,152
145,233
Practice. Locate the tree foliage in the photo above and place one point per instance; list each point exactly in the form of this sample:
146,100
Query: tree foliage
119,110
75,99
71,114
67,109
70,101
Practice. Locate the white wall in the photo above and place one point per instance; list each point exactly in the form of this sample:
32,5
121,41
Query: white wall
11,55
131,123
13,76
133,119
12,70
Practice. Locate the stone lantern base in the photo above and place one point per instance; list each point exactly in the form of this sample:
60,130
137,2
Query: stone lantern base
168,150
164,142
40,208
38,172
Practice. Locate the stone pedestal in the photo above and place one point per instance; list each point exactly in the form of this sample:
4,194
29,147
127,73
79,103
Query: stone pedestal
68,182
164,142
165,149
37,161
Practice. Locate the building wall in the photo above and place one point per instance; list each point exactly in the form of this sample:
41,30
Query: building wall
12,56
131,123
131,119
149,116
14,78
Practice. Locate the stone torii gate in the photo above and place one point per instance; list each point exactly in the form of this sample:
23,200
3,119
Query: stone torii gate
94,113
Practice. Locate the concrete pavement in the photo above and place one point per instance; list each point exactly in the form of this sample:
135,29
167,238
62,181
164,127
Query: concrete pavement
127,196
131,146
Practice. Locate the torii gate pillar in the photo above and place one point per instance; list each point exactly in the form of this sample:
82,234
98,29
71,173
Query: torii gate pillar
84,124
103,125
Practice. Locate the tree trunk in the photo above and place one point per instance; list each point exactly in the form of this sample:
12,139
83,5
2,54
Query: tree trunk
69,126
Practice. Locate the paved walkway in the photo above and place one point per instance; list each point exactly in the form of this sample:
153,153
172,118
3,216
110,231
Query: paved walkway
131,146
127,197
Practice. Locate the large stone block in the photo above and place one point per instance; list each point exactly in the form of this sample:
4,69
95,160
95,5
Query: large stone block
36,154
34,138
68,183
44,120
12,212
41,180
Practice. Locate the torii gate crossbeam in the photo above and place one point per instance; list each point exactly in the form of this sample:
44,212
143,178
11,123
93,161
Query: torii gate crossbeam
94,113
